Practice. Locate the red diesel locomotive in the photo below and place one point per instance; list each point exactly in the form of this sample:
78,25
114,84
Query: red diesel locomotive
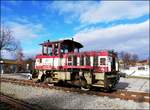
62,61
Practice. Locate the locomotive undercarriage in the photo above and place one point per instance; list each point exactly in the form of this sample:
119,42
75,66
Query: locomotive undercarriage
82,78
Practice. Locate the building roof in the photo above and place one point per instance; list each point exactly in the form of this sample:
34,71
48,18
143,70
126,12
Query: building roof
8,61
67,42
143,61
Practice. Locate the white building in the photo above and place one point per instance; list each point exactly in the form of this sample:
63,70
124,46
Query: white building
142,71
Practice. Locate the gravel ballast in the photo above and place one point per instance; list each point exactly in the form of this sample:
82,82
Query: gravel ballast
55,99
141,85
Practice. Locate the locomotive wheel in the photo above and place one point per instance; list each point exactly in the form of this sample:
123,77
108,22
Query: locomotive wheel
107,89
43,78
39,80
48,80
84,84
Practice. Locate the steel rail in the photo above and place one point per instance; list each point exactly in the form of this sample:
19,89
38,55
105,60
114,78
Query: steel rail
121,94
17,104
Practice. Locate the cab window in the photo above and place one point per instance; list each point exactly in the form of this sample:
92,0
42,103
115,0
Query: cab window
102,61
50,51
40,60
81,60
69,60
44,50
95,61
88,60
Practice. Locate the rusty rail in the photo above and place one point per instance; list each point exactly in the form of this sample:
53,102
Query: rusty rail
17,104
122,94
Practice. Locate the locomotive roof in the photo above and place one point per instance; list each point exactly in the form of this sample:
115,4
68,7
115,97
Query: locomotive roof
66,42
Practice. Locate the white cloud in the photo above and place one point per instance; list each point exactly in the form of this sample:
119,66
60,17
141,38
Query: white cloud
112,32
104,11
4,9
27,30
7,55
14,2
32,52
72,8
64,38
129,37
27,54
114,10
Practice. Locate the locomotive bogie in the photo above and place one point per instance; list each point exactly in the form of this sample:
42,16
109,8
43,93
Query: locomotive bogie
99,76
61,75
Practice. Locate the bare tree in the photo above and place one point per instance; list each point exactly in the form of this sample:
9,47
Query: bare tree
134,59
126,58
19,55
121,55
19,58
30,61
7,41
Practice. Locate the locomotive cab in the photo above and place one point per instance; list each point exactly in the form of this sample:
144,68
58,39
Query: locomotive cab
60,47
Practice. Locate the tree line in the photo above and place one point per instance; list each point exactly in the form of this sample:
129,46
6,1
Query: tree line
9,43
128,59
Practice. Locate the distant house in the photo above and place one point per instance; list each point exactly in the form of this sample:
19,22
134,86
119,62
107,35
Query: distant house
8,66
13,66
140,69
142,62
121,64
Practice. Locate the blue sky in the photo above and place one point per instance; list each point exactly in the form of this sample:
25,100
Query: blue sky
118,25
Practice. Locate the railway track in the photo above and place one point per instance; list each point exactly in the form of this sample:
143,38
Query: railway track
14,104
121,94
